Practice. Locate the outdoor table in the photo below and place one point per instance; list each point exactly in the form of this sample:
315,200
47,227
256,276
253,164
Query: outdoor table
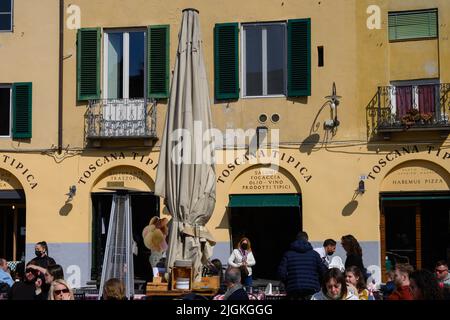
171,294
90,296
275,296
251,296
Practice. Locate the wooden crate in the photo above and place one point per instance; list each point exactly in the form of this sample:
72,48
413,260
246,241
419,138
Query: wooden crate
180,272
157,285
208,283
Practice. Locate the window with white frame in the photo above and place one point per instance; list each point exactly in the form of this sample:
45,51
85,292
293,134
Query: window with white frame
264,59
6,16
124,83
5,111
422,96
124,64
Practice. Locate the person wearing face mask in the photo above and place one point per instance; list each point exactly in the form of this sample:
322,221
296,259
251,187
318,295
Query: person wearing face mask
42,259
326,251
334,287
242,257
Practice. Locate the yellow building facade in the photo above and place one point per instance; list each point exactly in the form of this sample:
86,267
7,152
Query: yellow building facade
377,165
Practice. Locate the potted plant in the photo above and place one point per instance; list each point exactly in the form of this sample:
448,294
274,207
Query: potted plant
426,117
411,117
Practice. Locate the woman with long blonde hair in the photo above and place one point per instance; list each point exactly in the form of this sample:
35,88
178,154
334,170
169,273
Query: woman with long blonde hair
60,290
242,257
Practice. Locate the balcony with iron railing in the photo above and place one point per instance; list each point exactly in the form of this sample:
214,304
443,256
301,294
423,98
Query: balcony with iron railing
412,108
121,119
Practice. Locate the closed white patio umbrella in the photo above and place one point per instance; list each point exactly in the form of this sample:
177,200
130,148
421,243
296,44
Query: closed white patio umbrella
186,177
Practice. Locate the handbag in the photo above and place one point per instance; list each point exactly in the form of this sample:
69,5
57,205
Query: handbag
244,271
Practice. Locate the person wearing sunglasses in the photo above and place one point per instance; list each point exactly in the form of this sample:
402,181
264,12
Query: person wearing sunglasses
60,290
27,288
45,278
442,275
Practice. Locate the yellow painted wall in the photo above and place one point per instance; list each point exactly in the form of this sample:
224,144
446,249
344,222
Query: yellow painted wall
297,114
414,60
329,204
30,54
356,58
328,210
48,216
380,62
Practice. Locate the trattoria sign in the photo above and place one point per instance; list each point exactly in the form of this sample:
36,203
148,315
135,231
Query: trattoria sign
123,177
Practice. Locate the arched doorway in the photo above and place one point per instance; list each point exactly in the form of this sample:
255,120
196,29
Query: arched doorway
144,205
415,214
265,206
12,217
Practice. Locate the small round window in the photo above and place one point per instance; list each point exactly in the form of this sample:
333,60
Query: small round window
262,118
275,118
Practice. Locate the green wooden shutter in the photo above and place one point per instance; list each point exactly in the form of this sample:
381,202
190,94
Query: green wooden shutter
412,25
158,42
226,58
299,57
22,101
88,63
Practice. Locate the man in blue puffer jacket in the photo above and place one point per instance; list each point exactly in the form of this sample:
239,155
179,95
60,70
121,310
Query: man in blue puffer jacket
301,269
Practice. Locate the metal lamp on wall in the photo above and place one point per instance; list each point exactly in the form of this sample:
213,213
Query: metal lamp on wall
361,187
334,102
72,192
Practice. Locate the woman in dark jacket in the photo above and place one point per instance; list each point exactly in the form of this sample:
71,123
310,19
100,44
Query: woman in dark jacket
354,253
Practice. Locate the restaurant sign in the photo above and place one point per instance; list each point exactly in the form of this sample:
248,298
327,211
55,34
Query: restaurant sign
124,177
264,180
416,176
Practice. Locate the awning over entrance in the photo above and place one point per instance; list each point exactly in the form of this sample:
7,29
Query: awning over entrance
264,200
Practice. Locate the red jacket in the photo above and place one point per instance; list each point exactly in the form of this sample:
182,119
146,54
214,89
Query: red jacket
402,293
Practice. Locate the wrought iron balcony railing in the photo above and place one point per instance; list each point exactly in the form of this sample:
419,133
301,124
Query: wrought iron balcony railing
418,108
121,118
